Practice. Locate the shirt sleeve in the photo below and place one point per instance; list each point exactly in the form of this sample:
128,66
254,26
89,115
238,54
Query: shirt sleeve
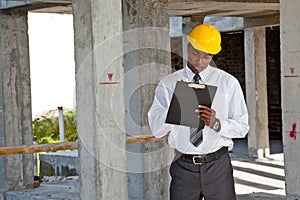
236,124
158,112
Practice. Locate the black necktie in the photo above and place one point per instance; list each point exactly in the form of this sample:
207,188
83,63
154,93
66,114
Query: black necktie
197,78
196,133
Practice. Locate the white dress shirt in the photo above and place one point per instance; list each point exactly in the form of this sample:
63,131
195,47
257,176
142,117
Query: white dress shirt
228,103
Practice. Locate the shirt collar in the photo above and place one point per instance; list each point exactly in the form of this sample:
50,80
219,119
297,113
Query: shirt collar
203,74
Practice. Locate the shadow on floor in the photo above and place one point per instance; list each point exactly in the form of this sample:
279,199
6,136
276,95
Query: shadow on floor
258,196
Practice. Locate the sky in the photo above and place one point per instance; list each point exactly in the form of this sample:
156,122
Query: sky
51,47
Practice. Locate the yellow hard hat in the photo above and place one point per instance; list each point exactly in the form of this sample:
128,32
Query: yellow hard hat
206,38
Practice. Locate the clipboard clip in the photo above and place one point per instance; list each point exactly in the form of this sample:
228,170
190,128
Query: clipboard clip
196,86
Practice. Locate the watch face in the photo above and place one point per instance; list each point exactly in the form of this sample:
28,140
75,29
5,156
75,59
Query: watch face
216,125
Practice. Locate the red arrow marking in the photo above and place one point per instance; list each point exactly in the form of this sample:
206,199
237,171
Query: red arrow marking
110,75
109,83
293,131
292,69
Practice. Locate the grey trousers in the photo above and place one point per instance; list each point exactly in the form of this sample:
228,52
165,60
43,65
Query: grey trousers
211,181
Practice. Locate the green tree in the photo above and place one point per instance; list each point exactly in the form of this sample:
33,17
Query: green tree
46,127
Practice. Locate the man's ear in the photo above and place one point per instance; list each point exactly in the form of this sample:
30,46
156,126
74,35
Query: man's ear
211,62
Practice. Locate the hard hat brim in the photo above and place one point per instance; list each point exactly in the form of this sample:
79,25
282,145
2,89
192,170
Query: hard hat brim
200,47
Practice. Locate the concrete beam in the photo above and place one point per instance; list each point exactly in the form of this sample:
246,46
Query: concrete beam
226,24
58,9
256,90
16,172
234,8
45,1
246,13
37,6
290,85
171,1
234,1
261,21
228,1
224,8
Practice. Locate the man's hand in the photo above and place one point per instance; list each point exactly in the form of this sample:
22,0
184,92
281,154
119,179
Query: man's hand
207,115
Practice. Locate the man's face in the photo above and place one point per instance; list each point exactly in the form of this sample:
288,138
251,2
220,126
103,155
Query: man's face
197,60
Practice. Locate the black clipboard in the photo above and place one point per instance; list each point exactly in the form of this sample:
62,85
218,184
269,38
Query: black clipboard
185,100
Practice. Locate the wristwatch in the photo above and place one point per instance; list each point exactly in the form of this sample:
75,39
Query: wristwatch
216,127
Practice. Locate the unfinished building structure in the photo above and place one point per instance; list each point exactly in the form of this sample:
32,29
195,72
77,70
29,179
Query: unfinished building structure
122,49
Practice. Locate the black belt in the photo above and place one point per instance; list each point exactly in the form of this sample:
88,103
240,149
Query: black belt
201,159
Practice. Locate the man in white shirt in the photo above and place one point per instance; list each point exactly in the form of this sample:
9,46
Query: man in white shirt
202,168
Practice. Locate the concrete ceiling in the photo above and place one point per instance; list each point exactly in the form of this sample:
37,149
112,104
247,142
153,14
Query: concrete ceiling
233,8
236,8
65,9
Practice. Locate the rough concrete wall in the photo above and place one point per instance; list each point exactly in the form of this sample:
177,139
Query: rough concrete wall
100,103
133,101
16,129
145,66
110,112
85,98
59,164
290,86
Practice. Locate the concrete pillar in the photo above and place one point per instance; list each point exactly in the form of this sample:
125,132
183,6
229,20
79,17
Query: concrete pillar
256,92
290,86
147,59
100,102
175,26
16,171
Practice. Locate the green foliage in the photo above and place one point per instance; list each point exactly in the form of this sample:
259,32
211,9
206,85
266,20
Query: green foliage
70,126
46,128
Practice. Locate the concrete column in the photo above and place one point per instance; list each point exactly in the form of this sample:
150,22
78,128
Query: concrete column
290,85
16,171
256,92
147,60
100,102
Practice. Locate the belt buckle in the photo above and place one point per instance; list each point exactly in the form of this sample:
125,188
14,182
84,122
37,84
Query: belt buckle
194,160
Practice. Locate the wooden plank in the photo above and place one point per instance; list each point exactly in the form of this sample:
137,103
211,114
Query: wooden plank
144,138
4,151
38,148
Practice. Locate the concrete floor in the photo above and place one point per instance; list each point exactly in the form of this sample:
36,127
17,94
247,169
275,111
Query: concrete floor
259,178
63,190
255,179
